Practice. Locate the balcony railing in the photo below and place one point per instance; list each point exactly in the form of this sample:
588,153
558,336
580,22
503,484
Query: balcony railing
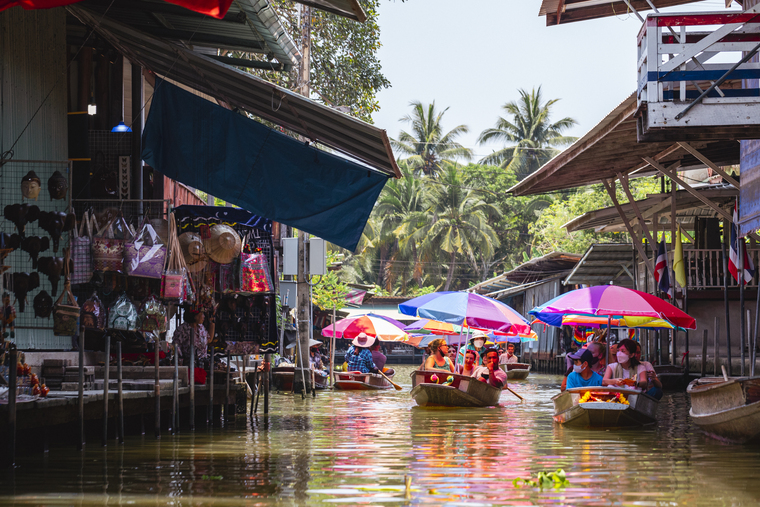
695,70
704,269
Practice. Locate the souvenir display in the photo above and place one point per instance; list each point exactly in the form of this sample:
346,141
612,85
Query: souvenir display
31,185
227,279
108,251
145,255
254,273
42,305
53,268
56,223
152,317
20,215
8,243
93,314
58,186
175,283
122,315
33,245
24,283
192,251
81,250
66,313
224,244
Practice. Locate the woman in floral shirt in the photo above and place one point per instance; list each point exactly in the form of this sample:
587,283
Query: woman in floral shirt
193,326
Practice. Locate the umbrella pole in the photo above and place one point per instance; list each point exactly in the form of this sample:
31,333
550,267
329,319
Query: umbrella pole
332,346
609,338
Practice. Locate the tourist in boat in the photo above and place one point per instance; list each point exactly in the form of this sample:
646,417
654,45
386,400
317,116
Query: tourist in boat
439,357
509,356
359,355
377,355
627,371
193,327
599,352
478,344
654,385
470,364
490,371
583,375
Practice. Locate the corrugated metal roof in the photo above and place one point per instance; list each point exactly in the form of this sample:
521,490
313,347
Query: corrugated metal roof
519,289
687,207
612,147
604,263
244,91
549,265
250,25
492,285
580,10
346,8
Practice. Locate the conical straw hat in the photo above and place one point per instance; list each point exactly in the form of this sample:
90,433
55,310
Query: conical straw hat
224,245
193,251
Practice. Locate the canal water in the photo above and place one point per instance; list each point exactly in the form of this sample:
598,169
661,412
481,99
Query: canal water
356,448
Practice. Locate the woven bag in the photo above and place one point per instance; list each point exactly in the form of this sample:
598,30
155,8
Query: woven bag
108,251
81,250
66,313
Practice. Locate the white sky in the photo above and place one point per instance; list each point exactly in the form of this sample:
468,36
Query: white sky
472,56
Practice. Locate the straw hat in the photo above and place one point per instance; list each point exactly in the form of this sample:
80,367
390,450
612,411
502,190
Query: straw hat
224,245
193,252
362,340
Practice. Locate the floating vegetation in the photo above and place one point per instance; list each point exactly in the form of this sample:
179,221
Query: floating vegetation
544,480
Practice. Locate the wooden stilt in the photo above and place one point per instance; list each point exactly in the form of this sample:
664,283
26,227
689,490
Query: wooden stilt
121,393
106,380
157,386
80,443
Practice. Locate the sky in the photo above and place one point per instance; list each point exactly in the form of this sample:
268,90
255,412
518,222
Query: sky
473,56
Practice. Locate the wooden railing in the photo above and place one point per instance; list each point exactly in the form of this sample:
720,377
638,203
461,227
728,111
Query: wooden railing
704,269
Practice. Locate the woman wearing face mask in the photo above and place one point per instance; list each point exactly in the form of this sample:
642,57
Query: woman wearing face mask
478,344
626,368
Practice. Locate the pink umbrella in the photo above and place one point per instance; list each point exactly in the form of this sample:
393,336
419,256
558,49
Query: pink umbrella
384,328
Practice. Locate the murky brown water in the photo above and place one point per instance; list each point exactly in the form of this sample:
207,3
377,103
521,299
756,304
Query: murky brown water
356,447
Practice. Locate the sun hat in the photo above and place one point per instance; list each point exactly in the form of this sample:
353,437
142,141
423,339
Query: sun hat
479,334
224,245
193,251
362,340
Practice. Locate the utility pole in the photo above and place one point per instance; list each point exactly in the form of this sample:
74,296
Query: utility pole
303,314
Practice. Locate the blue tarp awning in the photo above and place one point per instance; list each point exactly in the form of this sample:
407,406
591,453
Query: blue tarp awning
266,172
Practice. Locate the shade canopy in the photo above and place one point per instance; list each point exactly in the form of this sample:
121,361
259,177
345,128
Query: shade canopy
428,326
597,321
383,328
270,174
213,8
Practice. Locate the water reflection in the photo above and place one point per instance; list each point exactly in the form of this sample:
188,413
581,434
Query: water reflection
356,448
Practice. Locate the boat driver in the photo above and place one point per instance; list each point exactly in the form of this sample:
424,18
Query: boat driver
509,356
491,372
359,356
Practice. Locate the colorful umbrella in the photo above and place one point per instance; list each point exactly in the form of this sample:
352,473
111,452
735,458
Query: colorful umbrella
384,328
428,326
501,338
611,300
601,322
466,308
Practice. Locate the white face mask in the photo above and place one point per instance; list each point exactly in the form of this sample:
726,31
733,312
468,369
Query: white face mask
622,357
577,368
479,343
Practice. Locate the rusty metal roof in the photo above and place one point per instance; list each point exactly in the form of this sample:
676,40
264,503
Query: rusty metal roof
612,147
346,8
604,263
314,121
567,11
688,208
539,269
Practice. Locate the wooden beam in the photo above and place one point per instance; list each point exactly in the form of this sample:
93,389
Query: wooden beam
611,191
709,163
560,8
624,183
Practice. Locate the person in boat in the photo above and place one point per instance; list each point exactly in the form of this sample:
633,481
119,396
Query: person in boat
599,352
315,358
654,385
509,356
490,371
377,355
470,364
627,370
439,356
359,355
583,375
478,344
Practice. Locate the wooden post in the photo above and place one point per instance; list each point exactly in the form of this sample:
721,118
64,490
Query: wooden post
740,273
120,400
210,385
106,380
227,390
332,342
12,384
726,232
175,394
751,367
267,372
80,443
753,354
673,213
703,369
716,346
157,385
191,379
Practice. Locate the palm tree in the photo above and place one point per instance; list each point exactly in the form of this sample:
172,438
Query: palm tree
532,138
427,146
455,222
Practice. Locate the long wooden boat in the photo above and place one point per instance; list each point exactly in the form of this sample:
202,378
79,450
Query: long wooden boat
726,409
282,377
673,378
463,391
357,381
571,410
516,371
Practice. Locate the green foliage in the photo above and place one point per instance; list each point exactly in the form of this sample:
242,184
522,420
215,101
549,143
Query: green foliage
544,480
330,291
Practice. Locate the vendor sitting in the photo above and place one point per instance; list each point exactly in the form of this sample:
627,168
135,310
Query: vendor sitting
583,375
359,356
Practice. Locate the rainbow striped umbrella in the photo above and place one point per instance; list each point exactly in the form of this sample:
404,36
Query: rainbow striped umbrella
428,326
383,328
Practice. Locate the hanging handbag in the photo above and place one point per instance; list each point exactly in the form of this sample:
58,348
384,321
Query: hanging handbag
66,313
174,282
108,251
152,316
145,255
254,273
93,314
122,315
81,250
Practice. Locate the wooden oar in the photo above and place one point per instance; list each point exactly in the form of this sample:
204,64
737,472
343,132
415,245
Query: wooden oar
396,386
511,391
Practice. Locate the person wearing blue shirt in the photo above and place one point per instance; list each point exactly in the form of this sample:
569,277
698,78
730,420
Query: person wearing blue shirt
359,356
582,374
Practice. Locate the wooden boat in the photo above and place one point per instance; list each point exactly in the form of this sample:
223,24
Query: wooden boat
462,392
357,381
516,371
673,378
726,409
282,377
570,411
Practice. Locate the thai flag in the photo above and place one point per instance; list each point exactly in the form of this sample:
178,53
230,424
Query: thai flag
733,255
661,271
